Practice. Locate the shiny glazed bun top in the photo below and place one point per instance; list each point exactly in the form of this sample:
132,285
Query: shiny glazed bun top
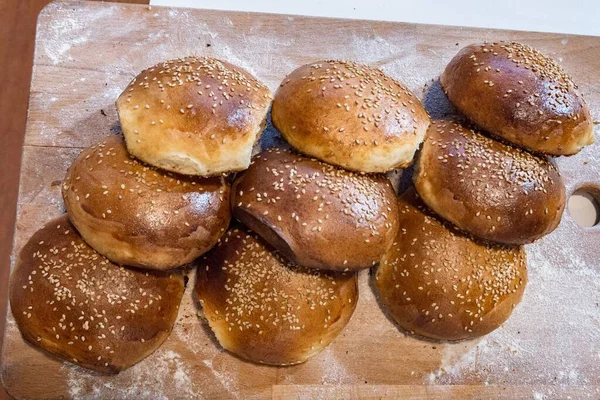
194,116
316,214
267,309
350,115
517,93
487,188
138,215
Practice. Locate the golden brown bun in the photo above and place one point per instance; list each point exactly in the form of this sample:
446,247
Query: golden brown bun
194,116
518,94
487,188
317,215
436,282
264,308
350,115
138,215
72,302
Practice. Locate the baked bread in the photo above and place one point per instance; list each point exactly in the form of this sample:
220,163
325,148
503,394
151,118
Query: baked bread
438,283
350,115
71,302
195,116
266,309
516,93
138,215
487,188
315,214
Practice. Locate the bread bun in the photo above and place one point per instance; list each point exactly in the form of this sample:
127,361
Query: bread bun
519,94
436,282
137,215
71,302
266,309
487,188
317,215
350,115
195,116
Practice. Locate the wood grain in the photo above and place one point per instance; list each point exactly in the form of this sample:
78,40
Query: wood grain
17,39
86,53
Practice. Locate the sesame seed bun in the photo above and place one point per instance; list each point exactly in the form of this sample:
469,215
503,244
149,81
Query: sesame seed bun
520,95
316,214
487,188
141,216
350,115
266,309
71,302
438,283
194,116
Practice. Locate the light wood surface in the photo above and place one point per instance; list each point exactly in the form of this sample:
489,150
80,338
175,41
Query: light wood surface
17,39
86,53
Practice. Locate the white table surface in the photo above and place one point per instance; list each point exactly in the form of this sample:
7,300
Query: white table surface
576,16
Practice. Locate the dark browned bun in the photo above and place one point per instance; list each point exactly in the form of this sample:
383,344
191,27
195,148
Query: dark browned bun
138,215
194,116
519,94
438,283
350,115
71,302
266,309
317,215
487,188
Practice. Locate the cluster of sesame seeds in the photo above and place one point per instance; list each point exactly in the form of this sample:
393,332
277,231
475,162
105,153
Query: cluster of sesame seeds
88,302
265,291
332,192
376,98
486,163
214,83
447,274
129,180
557,93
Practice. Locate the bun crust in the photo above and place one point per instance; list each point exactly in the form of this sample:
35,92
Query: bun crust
194,116
436,282
71,302
516,93
489,189
137,215
315,214
267,309
350,115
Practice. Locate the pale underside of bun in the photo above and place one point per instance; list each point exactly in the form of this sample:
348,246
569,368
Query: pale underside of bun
487,188
515,92
316,214
266,309
141,216
438,283
75,304
350,115
194,116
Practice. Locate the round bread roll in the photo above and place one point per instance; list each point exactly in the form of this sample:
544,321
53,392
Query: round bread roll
487,188
438,283
266,309
520,95
72,302
350,115
195,116
315,214
137,215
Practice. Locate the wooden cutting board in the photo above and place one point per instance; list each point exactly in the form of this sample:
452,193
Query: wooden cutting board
86,53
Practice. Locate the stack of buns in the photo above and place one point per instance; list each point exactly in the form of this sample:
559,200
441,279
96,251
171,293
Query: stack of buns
101,285
483,187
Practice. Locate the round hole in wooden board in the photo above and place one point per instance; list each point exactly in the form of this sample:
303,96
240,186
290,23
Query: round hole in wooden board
584,206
